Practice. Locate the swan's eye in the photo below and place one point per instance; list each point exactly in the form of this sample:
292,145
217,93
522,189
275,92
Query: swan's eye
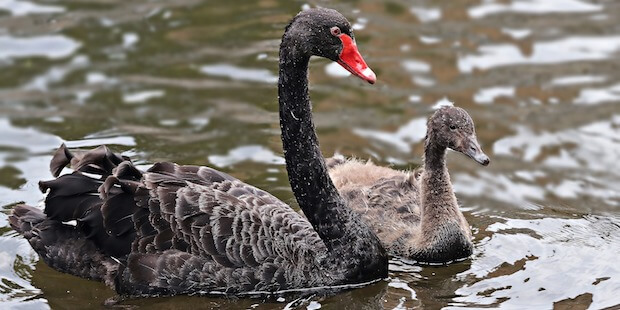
335,31
453,127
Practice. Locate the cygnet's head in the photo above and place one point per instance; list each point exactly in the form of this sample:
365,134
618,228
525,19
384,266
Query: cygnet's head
453,128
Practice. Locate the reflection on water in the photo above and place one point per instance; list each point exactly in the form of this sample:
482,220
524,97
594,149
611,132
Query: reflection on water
599,95
51,46
559,51
533,7
195,83
425,14
412,132
142,96
253,153
20,7
577,79
236,73
336,70
488,95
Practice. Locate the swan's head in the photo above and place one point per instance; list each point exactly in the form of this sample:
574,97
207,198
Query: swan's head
326,33
453,128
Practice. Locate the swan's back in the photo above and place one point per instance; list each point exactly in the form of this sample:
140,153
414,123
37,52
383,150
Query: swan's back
242,238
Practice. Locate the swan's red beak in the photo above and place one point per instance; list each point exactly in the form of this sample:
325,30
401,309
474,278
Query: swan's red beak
351,60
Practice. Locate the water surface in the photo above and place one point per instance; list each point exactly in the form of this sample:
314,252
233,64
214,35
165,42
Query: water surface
195,82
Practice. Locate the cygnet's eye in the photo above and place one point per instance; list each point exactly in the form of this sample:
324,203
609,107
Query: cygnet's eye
453,127
335,31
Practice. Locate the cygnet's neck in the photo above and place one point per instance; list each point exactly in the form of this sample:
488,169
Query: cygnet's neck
437,199
434,154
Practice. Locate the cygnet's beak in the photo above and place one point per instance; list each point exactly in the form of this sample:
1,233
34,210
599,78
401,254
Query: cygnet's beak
473,150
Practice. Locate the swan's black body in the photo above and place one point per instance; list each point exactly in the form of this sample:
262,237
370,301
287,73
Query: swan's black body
193,230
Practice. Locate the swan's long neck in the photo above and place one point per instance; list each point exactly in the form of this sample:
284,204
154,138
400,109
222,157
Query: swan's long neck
352,246
438,199
307,172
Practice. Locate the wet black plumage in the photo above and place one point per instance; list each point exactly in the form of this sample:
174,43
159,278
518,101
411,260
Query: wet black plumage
193,230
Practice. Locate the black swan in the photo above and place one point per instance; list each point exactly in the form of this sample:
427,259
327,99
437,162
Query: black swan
193,230
415,214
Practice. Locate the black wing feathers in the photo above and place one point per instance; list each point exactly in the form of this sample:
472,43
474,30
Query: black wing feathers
175,229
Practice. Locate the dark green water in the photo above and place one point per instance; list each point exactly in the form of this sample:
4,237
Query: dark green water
194,82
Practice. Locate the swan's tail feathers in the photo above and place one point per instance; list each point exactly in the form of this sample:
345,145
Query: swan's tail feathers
24,218
72,196
99,195
100,160
62,246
